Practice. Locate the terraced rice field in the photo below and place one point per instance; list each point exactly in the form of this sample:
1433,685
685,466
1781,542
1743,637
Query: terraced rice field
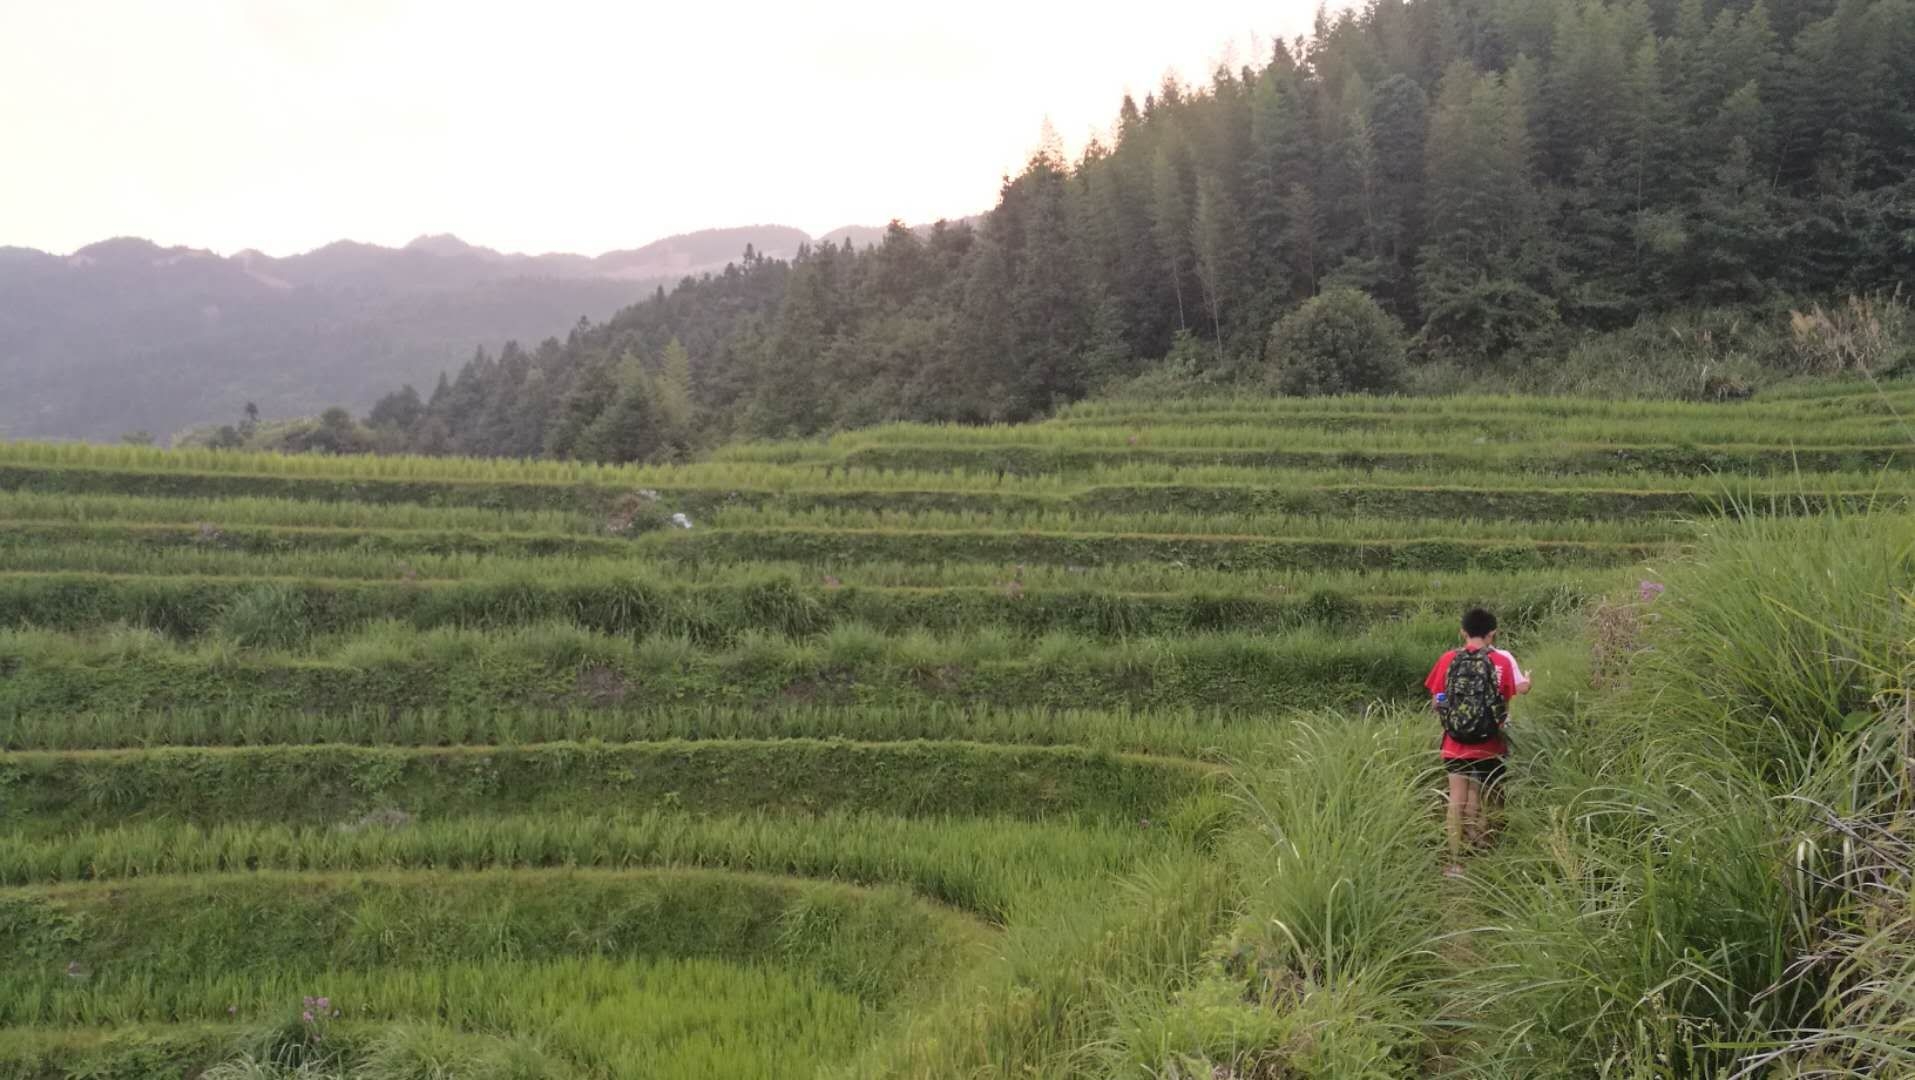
911,757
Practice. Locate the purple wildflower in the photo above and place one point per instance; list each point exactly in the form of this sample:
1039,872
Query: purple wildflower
1649,590
307,1016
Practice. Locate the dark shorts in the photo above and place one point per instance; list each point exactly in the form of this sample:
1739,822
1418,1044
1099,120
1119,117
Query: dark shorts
1485,771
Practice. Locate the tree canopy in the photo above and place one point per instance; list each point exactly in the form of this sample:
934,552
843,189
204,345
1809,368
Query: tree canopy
1490,172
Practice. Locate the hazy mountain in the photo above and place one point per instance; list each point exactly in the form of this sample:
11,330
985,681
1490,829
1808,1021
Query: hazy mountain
864,236
859,236
125,334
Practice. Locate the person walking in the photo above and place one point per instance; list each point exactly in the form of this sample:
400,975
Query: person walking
1470,690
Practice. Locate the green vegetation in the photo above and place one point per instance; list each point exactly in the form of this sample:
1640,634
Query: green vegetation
1212,735
1339,342
318,785
1106,767
282,931
788,972
561,665
1667,199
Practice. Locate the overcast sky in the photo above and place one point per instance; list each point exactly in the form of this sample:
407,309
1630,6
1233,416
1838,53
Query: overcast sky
556,125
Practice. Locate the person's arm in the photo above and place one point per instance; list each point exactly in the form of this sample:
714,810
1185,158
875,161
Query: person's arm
1516,670
1434,684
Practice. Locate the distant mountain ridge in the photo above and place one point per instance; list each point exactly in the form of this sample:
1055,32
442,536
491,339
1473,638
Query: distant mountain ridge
126,335
864,236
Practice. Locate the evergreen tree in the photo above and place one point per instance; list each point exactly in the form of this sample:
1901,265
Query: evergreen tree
629,428
593,386
1473,268
1399,118
1216,231
1170,225
397,411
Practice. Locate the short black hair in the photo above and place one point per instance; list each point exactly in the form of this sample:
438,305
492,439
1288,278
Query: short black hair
1478,622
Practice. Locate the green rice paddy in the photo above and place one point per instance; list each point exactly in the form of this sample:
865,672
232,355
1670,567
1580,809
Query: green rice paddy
923,751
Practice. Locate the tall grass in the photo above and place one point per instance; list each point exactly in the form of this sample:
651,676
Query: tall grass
1784,635
1528,459
587,1017
1408,431
264,612
988,866
1804,399
826,547
1353,527
1703,872
47,792
1205,734
235,510
223,514
1696,887
1326,970
432,1051
1510,588
753,482
401,467
1044,998
171,949
565,666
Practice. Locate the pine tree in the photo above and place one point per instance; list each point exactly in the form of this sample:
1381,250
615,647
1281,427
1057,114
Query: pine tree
1355,176
1735,222
672,401
1399,120
524,434
591,391
1282,167
1584,96
1216,229
1049,308
628,429
1105,358
1170,225
1471,273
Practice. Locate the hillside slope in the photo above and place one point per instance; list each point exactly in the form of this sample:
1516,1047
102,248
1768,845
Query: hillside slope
125,334
1093,747
1553,195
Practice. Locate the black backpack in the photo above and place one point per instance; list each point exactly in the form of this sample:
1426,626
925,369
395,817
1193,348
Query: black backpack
1473,708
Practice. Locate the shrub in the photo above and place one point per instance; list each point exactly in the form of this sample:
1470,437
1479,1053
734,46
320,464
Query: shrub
1337,343
1708,354
1480,318
1869,334
266,617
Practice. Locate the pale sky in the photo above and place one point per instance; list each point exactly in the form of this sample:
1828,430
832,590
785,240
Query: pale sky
557,125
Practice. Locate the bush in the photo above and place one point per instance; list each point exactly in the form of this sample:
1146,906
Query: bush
1869,334
1338,343
266,617
1705,354
1486,318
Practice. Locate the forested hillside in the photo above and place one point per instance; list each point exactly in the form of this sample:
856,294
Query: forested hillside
1511,180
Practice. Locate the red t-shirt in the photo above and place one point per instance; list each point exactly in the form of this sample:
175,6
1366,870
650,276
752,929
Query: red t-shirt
1505,680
